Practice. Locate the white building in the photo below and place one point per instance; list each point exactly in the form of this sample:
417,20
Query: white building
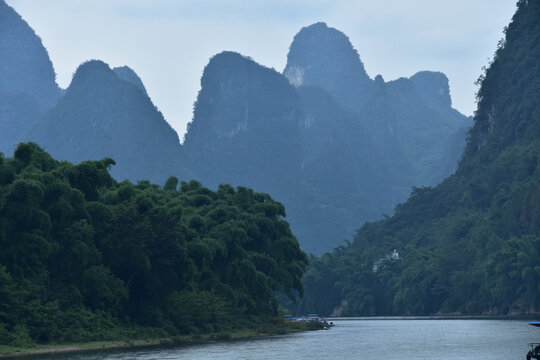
393,256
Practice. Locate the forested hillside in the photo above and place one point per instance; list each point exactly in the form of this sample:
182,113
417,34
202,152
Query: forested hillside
470,245
87,258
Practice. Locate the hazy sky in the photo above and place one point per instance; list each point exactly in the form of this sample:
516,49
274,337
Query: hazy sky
168,42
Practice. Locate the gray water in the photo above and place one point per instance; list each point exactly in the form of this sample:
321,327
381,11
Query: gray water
366,339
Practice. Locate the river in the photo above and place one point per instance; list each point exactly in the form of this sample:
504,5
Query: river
366,339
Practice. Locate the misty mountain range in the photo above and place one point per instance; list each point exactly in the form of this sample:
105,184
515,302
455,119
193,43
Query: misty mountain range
336,147
471,244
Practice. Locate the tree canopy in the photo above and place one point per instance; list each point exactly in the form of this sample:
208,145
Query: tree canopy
84,256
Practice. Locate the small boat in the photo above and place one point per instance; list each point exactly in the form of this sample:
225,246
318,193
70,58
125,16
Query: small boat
311,319
534,353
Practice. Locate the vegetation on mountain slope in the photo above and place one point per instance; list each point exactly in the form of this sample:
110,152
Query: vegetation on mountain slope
470,245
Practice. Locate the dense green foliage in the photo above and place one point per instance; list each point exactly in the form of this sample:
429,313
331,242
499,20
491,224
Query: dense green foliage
86,258
470,245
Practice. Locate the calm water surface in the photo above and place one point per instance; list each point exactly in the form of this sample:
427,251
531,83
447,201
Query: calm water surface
362,339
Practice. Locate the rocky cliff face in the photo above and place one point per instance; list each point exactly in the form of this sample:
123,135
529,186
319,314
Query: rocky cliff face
425,124
323,56
102,115
410,120
245,126
433,87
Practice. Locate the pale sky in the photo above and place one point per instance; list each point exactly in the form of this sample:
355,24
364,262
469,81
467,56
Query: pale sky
169,42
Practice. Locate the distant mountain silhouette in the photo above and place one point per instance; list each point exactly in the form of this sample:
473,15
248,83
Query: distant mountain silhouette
252,128
336,147
471,244
127,74
102,115
344,168
245,127
411,119
27,78
324,57
392,135
425,123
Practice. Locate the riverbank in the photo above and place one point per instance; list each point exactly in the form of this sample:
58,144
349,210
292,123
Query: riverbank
440,317
277,327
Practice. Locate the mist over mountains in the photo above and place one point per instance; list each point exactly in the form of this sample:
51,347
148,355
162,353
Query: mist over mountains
336,147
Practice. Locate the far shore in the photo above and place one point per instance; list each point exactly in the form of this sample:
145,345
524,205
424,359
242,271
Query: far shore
7,352
439,317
